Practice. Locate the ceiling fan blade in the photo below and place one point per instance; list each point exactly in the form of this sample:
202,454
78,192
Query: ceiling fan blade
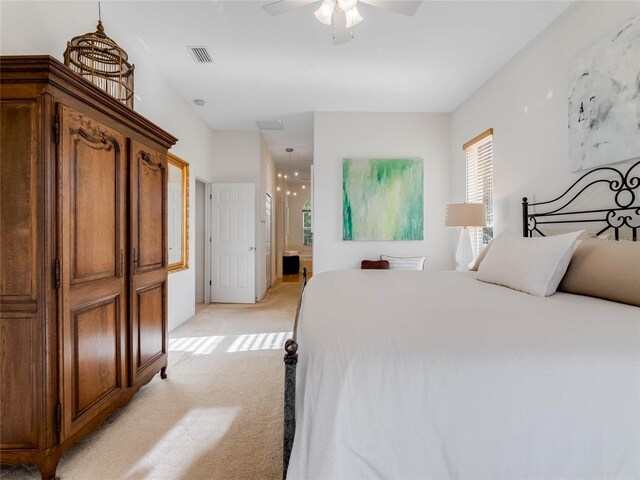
283,6
341,34
405,7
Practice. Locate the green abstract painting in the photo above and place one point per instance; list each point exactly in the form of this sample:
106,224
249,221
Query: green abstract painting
382,199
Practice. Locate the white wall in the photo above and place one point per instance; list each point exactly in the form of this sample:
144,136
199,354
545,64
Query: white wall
379,135
195,147
526,104
43,29
236,156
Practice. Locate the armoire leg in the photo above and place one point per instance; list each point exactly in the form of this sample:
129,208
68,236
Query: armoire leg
48,467
163,372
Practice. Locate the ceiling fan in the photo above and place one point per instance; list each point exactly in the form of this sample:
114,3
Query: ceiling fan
342,15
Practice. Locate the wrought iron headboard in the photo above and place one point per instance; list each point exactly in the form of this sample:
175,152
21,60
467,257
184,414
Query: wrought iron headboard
623,210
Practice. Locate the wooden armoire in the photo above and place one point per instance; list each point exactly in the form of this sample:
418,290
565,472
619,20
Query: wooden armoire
83,258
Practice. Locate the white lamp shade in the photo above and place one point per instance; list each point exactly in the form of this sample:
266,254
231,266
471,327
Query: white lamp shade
353,17
325,13
466,215
346,5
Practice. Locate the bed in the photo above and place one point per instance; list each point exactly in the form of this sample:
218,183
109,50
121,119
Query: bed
436,375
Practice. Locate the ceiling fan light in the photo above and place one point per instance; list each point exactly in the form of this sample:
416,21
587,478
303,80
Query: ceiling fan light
346,5
353,17
325,13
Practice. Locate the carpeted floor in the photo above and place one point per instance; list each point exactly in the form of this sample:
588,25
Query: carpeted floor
217,416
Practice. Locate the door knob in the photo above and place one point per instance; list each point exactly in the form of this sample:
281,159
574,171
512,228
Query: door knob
250,249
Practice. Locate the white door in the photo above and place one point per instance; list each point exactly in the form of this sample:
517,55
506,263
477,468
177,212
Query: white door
267,249
233,254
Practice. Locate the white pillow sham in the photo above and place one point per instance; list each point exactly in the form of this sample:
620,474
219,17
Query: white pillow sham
532,265
404,263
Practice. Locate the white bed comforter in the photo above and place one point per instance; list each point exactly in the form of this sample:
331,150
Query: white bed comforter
435,375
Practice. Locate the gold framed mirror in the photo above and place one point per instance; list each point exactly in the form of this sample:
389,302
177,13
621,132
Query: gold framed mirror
178,214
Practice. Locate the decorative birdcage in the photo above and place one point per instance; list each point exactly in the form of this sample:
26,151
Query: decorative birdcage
100,60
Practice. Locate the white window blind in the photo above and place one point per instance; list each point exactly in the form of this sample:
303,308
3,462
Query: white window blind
479,156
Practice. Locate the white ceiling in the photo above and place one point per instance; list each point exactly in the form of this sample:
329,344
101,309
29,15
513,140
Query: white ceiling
286,67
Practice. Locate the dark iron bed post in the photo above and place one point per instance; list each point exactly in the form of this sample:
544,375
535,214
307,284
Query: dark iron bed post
290,362
525,217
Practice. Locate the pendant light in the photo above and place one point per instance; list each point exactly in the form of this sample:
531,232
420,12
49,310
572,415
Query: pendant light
289,150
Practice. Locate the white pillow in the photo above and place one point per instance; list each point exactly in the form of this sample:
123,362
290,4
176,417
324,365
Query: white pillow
404,263
531,265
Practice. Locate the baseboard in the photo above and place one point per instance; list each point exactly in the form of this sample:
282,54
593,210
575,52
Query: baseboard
261,296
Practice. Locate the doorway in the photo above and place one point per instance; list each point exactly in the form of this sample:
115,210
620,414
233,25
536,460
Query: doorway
202,239
268,227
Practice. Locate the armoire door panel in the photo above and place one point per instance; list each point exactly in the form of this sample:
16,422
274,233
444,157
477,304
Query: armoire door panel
95,190
18,200
19,363
148,203
95,195
150,324
93,168
96,353
151,194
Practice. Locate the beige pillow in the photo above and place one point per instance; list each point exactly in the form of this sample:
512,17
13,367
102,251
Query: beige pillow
484,251
480,257
605,269
531,265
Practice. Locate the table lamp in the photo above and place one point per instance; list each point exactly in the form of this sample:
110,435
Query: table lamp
465,215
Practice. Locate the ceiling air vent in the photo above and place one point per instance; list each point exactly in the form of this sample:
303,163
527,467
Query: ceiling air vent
200,54
270,125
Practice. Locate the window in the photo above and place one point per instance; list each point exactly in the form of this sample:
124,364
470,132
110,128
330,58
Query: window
307,234
479,158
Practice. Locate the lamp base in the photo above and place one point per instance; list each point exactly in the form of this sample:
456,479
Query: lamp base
464,253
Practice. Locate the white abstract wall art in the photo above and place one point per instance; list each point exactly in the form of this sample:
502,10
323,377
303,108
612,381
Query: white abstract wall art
604,100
